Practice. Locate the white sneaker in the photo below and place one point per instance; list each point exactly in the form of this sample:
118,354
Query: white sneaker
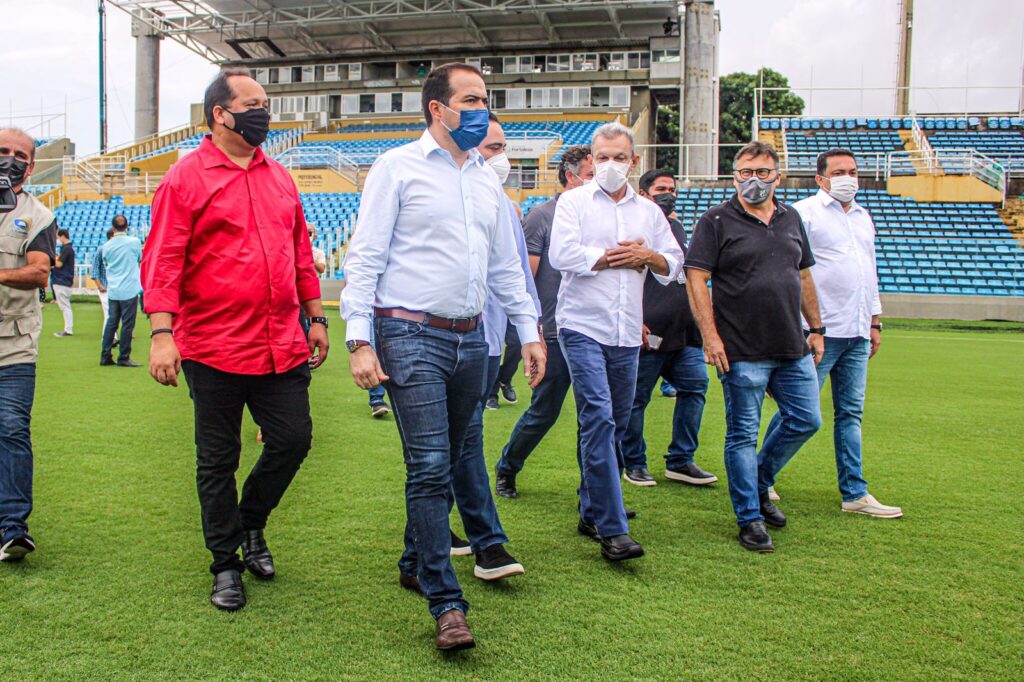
772,495
872,507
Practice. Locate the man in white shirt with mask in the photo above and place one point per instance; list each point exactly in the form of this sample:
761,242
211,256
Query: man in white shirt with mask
604,239
842,236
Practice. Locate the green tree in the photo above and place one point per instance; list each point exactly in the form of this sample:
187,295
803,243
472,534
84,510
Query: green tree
736,107
667,132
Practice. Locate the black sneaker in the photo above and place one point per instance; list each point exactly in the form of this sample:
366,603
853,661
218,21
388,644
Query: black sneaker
773,516
588,529
491,404
459,546
508,393
505,485
15,549
639,476
691,474
494,563
754,537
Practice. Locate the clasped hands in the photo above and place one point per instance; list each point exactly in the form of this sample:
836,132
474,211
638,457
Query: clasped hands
631,254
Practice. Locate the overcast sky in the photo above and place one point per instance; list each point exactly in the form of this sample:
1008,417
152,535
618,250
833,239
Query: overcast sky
819,43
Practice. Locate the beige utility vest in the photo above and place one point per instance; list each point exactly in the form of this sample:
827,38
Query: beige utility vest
20,313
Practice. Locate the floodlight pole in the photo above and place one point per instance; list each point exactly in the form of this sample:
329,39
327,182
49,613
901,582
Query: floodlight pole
103,76
903,74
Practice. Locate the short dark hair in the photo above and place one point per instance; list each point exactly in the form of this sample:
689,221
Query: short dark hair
755,149
648,178
493,117
63,233
570,162
219,92
826,155
110,233
115,226
438,85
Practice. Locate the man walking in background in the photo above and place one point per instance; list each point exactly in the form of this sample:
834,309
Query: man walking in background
62,278
121,256
99,276
604,239
845,272
574,170
230,322
27,235
756,254
671,350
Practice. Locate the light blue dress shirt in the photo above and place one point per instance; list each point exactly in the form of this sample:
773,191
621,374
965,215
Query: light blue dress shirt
121,256
495,319
433,237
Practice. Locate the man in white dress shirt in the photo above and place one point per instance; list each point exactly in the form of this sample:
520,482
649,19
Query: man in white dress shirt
842,236
433,236
604,239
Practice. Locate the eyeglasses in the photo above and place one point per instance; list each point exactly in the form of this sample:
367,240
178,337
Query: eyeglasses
761,173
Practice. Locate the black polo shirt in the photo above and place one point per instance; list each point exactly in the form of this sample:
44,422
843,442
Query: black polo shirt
667,308
755,279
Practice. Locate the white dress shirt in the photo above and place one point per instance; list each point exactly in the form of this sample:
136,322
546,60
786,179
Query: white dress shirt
607,306
845,270
432,237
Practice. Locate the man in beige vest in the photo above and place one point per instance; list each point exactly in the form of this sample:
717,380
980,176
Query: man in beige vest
27,235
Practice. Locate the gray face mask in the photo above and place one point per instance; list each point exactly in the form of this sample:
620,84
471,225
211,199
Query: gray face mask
755,191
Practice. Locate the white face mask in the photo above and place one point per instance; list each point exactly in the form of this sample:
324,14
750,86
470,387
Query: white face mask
501,165
611,175
844,188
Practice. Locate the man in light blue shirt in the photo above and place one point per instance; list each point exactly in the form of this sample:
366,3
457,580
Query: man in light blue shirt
121,256
433,236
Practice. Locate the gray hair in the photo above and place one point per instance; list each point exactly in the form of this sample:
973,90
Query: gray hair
18,132
612,130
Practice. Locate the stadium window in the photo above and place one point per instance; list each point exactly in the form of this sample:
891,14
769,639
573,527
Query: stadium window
275,105
350,104
558,62
665,56
334,106
515,99
396,102
599,97
583,97
491,65
331,72
308,74
584,62
569,97
318,73
284,74
382,102
530,65
297,73
619,96
510,65
262,76
366,104
639,60
616,61
497,99
355,72
411,101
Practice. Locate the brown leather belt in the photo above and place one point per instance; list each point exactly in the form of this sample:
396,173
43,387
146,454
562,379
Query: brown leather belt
460,325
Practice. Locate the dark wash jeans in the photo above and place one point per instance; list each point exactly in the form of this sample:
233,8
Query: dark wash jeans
435,383
119,313
17,392
603,382
279,404
794,385
545,406
686,371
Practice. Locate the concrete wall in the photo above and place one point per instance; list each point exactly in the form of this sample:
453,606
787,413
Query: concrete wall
940,307
944,188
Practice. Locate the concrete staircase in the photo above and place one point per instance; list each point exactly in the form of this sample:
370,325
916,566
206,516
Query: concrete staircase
919,164
1013,215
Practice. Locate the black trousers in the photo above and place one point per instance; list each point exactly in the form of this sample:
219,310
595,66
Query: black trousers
279,404
119,313
513,354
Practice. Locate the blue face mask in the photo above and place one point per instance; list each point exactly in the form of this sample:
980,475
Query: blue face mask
472,128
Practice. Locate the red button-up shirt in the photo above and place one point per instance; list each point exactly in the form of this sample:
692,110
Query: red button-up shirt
229,256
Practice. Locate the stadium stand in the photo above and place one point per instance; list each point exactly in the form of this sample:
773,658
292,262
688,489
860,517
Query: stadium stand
190,143
870,146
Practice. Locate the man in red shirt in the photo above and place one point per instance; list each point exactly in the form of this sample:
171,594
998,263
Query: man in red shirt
225,269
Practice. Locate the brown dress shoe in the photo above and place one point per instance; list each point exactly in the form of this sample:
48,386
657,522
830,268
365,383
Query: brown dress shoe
410,582
453,632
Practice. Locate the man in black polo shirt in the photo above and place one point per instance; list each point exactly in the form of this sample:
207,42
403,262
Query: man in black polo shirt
756,254
671,350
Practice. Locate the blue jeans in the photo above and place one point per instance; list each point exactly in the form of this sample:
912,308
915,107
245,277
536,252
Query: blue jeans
376,394
794,384
686,371
537,420
435,383
603,381
846,361
119,313
17,391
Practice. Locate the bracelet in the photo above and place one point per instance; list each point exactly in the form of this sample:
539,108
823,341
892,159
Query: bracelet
163,330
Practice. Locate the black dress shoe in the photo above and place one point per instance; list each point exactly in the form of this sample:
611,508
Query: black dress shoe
620,548
228,593
588,529
505,485
127,363
773,516
754,537
630,513
256,555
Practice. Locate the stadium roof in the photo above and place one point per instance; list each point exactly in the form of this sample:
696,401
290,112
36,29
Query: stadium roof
250,30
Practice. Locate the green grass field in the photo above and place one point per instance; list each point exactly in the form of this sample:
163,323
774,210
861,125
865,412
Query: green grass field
118,588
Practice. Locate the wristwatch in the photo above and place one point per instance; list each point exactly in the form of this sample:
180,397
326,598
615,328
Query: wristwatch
354,344
877,326
319,320
817,330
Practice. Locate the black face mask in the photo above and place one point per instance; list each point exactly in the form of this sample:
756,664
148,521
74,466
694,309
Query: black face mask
12,174
666,202
252,124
